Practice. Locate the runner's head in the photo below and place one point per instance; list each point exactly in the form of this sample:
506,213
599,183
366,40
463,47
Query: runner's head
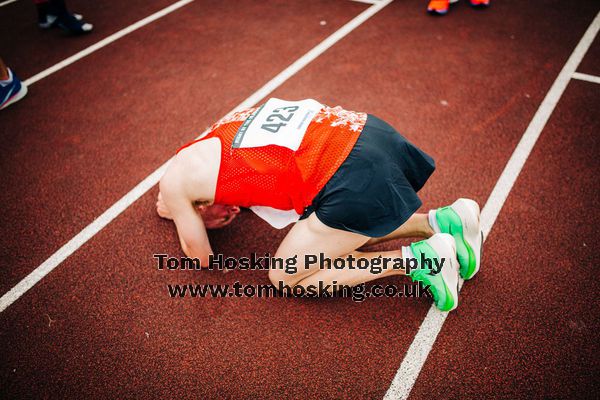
217,215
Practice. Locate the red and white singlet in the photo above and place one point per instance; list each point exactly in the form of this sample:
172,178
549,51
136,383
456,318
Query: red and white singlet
281,154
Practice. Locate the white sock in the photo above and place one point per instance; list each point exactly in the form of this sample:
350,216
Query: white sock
433,221
407,252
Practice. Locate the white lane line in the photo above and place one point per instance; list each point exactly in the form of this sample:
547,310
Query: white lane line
122,204
586,77
7,2
422,344
312,54
106,41
81,238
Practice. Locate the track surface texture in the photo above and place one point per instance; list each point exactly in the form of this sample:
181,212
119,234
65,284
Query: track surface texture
463,87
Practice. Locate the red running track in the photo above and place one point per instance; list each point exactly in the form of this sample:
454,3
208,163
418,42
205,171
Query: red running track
29,50
138,114
102,323
531,330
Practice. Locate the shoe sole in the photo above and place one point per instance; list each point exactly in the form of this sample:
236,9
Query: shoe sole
472,235
16,97
445,246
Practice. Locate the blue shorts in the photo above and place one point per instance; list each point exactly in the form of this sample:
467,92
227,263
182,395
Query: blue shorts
374,191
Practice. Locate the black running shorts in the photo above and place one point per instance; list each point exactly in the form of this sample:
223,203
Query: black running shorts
375,189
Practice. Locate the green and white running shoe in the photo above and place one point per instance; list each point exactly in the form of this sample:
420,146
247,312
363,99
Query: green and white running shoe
461,220
443,284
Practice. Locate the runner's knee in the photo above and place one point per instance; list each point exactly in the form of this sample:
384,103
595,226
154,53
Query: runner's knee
279,276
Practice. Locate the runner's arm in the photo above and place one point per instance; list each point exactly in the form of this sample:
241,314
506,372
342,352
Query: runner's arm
190,227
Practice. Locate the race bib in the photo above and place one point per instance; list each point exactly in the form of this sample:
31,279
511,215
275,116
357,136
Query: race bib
277,122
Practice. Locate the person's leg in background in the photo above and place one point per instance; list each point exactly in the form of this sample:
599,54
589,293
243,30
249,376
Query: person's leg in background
3,71
11,88
55,13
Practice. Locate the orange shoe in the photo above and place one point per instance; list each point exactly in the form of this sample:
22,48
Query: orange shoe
440,7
